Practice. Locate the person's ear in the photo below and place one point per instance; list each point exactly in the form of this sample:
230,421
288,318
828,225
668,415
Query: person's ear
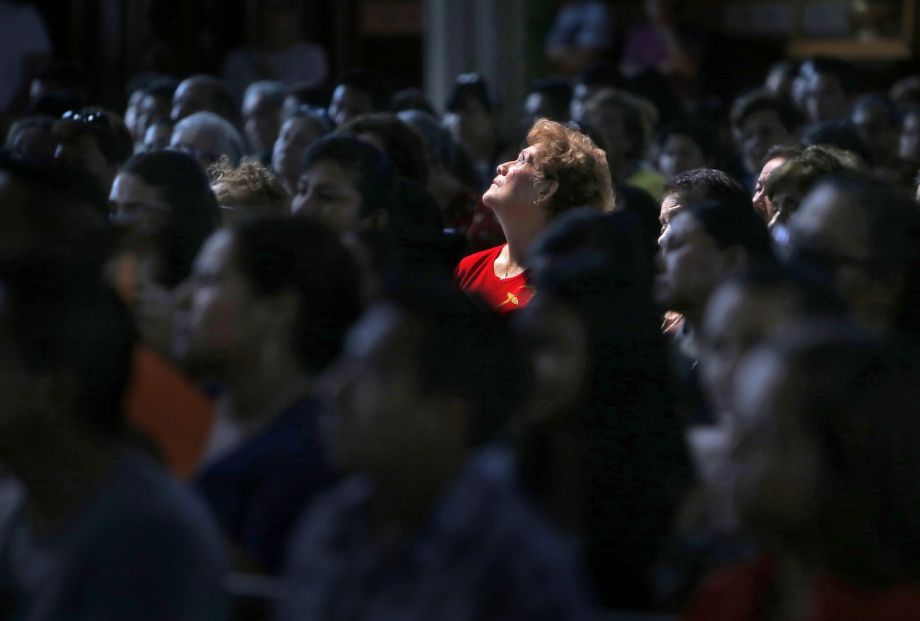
550,187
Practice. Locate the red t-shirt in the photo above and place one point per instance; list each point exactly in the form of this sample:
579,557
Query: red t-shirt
740,594
476,275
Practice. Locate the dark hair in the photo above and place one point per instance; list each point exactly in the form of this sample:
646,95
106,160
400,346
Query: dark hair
706,184
193,213
471,86
66,227
785,151
557,91
758,101
835,67
465,352
308,94
840,134
163,87
733,223
369,82
411,99
372,170
702,134
602,73
221,100
318,116
278,255
85,333
401,143
882,101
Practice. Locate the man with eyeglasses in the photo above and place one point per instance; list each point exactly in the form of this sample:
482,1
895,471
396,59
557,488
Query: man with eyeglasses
93,142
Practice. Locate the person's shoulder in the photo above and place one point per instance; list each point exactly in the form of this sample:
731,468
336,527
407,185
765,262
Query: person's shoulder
143,497
475,262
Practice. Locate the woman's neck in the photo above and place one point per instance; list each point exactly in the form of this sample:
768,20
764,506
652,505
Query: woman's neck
520,238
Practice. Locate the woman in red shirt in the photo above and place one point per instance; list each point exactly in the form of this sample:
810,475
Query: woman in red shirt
560,168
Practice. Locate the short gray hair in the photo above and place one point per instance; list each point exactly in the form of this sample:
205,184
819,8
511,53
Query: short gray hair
229,140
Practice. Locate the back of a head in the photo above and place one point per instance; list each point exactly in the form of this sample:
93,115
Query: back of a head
437,140
54,221
411,99
279,255
221,100
702,133
577,164
82,333
838,134
193,214
401,143
733,224
558,92
471,86
702,184
465,352
369,82
760,100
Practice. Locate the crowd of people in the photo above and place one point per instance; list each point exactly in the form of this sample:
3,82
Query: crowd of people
310,352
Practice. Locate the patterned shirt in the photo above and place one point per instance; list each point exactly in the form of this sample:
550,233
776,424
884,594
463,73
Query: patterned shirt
482,553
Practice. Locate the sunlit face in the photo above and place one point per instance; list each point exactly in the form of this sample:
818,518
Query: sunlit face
137,205
374,393
328,192
774,467
678,154
737,319
347,103
690,265
296,135
514,189
760,131
216,310
670,207
761,200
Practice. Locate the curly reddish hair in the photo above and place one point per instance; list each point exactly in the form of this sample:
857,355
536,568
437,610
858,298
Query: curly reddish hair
579,166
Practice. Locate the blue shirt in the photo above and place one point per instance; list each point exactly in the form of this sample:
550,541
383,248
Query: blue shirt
482,553
258,489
